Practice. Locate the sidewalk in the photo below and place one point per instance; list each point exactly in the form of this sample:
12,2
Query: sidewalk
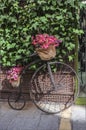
79,117
30,118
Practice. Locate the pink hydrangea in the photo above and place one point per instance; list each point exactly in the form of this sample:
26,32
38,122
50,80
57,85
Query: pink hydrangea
13,73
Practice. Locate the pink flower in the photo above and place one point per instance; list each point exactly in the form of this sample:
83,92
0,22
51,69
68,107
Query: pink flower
13,73
45,46
44,40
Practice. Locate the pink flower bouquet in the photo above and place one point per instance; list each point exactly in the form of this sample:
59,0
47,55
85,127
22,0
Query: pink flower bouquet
45,45
45,40
13,73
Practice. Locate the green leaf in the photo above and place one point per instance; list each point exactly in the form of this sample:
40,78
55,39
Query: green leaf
70,58
43,19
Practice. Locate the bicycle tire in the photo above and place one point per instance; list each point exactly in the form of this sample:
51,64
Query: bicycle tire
65,93
16,101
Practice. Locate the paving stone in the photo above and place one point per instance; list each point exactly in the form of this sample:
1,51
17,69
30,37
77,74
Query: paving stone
79,113
79,118
26,120
78,125
49,122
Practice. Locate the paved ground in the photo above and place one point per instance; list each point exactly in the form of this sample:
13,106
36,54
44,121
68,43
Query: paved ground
33,119
79,117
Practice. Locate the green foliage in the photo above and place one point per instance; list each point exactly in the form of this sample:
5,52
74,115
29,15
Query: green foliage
19,20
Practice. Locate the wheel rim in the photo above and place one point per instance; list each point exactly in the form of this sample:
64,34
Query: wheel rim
59,99
16,102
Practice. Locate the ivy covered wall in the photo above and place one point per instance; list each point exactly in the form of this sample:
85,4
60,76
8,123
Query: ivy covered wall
21,19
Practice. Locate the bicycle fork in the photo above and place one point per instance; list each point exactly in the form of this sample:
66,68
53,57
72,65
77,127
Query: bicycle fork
51,77
55,86
19,92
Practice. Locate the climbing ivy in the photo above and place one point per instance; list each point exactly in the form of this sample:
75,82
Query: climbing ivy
21,19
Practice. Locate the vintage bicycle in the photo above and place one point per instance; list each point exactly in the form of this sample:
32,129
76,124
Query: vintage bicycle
53,88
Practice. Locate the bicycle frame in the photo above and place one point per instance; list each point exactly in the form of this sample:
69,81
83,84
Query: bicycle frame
42,93
49,70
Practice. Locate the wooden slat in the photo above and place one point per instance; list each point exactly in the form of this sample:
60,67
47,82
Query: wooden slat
65,123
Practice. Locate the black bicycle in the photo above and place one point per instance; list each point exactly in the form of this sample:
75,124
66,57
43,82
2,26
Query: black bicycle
53,88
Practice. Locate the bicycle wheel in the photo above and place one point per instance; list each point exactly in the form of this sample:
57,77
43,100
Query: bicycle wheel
45,96
16,101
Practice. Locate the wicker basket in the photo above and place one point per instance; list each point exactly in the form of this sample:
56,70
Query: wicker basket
46,54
